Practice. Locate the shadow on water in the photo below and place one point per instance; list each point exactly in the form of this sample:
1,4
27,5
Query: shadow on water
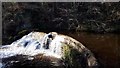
105,47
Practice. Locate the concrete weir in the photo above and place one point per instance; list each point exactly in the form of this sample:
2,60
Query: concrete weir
58,49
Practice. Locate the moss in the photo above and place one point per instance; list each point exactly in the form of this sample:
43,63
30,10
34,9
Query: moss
67,55
22,32
73,58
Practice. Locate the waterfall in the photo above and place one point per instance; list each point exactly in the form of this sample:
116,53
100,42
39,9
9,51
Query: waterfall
28,45
49,45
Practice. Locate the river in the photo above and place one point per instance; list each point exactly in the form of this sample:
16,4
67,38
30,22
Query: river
105,47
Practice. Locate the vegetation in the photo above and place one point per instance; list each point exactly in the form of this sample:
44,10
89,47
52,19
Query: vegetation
73,58
21,18
67,56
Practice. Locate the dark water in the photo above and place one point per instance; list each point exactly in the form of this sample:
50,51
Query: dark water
106,47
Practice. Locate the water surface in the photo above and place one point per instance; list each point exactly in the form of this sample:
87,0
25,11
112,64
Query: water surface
106,47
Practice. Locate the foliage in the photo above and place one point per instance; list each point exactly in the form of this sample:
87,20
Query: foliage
53,16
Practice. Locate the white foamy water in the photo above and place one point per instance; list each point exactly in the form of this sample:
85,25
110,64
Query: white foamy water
1,65
29,45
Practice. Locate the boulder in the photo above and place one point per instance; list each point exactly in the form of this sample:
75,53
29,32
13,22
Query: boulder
38,49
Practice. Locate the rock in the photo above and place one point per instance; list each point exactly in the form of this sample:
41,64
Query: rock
40,49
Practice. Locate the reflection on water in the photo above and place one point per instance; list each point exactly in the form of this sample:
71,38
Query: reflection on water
105,47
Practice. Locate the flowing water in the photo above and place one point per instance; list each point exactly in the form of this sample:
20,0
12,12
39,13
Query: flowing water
106,47
30,45
0,65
